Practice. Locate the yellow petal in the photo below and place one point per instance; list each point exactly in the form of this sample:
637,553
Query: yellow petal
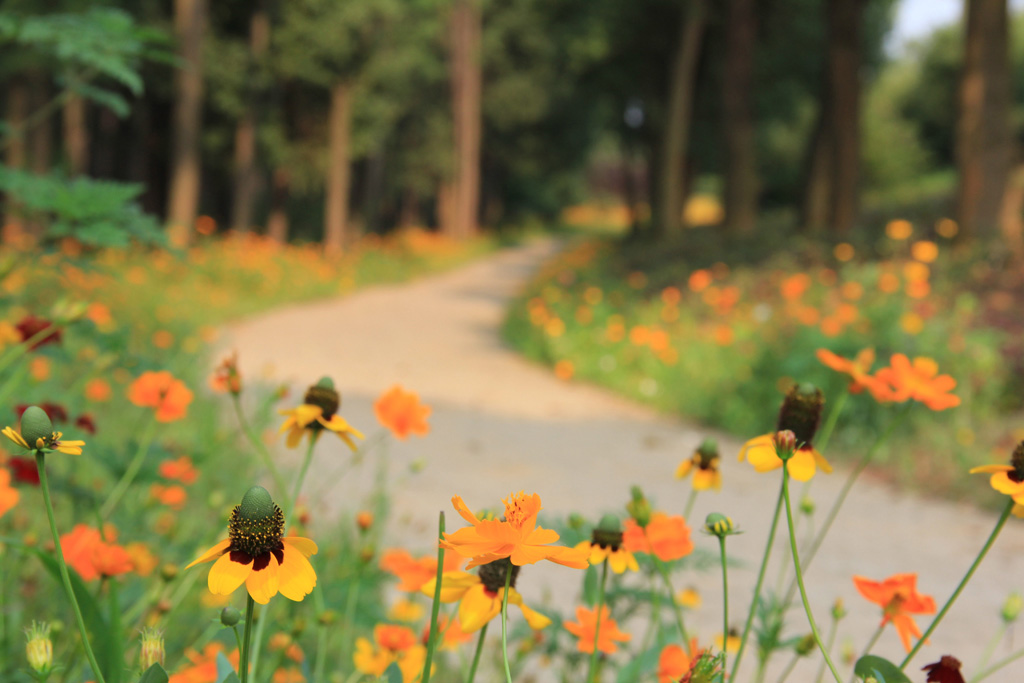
477,608
263,585
762,456
294,436
757,441
304,545
801,466
684,469
15,437
213,553
296,577
989,469
226,575
821,462
453,585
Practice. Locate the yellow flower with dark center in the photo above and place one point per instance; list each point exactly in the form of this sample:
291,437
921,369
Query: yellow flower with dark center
37,434
606,544
800,414
258,554
704,466
1008,479
480,595
317,413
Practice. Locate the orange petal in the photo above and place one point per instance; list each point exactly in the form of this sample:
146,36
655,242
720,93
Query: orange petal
263,585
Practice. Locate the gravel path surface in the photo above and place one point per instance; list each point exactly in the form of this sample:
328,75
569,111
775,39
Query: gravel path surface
501,424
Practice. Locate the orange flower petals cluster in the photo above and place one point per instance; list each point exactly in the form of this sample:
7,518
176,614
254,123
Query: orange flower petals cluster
203,668
517,537
666,537
898,598
168,396
401,412
91,556
8,494
859,368
919,380
585,630
674,663
414,573
180,469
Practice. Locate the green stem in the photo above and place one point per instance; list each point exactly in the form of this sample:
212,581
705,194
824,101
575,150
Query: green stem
321,638
257,649
833,512
757,586
65,577
654,624
476,655
129,474
243,659
725,603
672,600
789,668
261,448
833,628
830,423
592,668
963,582
997,666
990,649
435,608
690,500
24,347
800,576
504,622
871,643
301,478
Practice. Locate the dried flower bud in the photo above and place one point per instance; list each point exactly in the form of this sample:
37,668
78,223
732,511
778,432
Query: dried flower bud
785,444
152,649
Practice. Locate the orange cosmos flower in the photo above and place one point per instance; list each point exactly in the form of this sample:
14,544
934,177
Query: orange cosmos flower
898,598
607,635
173,497
667,538
415,573
674,663
857,368
92,557
203,668
452,635
919,381
179,469
517,537
8,494
98,390
392,644
161,391
401,412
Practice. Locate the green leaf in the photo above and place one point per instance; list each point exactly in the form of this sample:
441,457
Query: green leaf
224,668
393,674
881,668
232,677
154,674
106,644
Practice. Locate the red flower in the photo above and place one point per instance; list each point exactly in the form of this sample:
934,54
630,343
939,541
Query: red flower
54,411
85,423
30,326
24,470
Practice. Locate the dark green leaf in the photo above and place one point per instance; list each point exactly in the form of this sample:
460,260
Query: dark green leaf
154,674
882,669
393,674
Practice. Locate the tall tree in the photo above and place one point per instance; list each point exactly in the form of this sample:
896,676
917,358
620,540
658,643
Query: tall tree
741,182
679,117
832,187
245,171
984,141
183,199
463,195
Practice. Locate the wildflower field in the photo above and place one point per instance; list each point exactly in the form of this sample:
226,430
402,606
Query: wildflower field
153,532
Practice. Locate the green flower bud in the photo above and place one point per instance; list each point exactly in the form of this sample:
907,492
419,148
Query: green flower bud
638,508
719,525
807,505
39,648
152,648
229,616
805,645
785,444
1012,608
36,427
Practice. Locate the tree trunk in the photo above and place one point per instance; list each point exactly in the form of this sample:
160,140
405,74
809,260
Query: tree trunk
845,18
246,175
466,79
16,152
409,214
76,135
984,141
814,211
277,218
338,168
741,182
679,117
1011,220
183,199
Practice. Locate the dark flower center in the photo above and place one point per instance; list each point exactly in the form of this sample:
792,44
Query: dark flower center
1017,461
606,538
325,398
801,413
492,575
256,538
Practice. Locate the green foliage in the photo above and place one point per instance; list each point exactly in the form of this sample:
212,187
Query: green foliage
893,151
97,213
880,668
154,674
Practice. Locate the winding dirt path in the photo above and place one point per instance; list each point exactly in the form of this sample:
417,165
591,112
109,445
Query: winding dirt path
501,424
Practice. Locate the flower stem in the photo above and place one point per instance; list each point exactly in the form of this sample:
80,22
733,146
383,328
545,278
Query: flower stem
985,673
476,655
760,582
725,602
690,500
321,636
800,576
65,577
243,660
504,623
867,648
260,447
830,423
672,600
301,478
129,474
963,582
592,667
436,605
831,641
833,512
